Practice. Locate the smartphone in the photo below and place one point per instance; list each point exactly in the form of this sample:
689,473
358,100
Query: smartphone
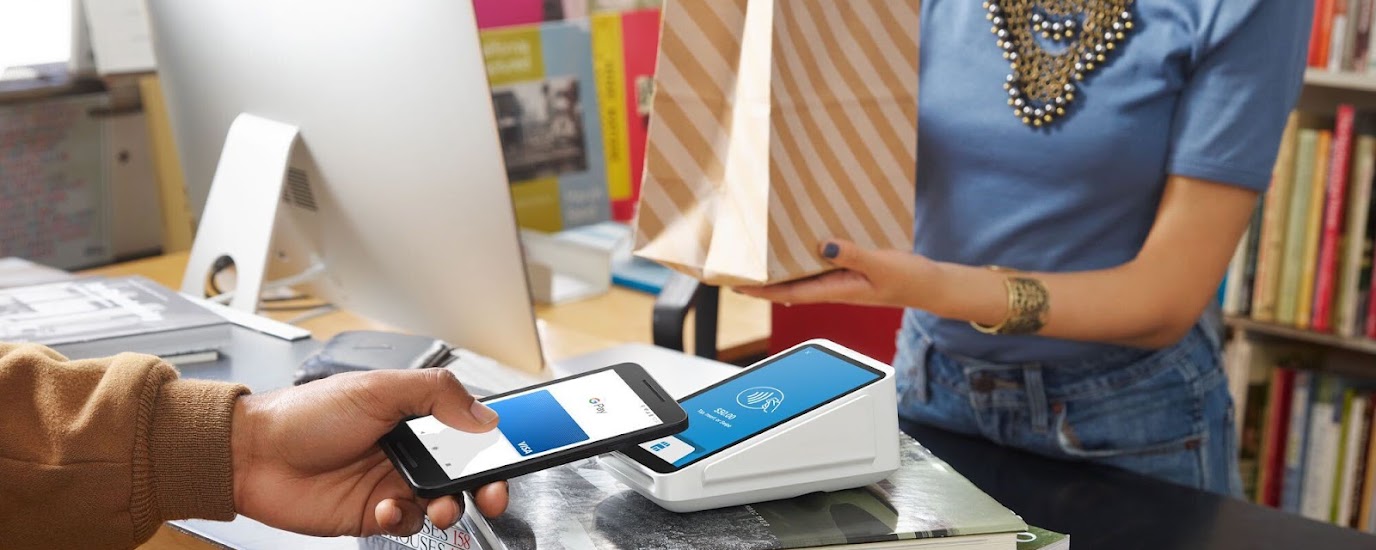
782,388
538,427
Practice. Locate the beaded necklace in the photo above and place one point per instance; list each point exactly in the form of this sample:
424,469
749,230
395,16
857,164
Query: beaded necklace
1042,84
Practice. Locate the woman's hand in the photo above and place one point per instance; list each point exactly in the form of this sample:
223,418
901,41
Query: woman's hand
306,458
867,277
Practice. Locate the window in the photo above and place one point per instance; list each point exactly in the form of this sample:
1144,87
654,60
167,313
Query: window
34,32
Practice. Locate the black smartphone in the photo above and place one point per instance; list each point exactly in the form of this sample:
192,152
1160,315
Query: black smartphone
759,398
538,427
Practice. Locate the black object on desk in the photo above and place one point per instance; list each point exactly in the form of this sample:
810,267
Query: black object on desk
1103,507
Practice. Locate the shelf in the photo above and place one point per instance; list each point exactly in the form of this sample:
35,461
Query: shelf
1361,345
1358,82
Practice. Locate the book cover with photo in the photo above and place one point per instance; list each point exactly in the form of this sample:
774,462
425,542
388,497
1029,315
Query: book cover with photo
545,99
581,506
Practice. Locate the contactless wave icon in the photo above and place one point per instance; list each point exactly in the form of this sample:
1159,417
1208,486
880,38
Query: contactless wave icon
764,398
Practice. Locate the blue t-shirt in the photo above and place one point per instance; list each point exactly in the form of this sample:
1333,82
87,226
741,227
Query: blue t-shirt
1198,88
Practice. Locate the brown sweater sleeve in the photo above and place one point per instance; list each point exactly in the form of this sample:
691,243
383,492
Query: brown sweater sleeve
98,453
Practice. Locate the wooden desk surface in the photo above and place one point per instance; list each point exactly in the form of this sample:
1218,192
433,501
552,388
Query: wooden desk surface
619,316
567,330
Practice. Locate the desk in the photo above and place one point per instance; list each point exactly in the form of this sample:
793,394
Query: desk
1100,507
619,316
566,330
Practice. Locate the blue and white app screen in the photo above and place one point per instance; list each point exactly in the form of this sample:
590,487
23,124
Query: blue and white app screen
539,422
761,398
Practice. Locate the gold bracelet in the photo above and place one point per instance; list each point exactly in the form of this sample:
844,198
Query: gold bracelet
1028,304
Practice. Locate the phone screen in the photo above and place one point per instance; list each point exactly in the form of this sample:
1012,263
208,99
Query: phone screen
544,420
759,399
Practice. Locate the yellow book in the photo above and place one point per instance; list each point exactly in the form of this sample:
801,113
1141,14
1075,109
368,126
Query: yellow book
1313,230
1273,223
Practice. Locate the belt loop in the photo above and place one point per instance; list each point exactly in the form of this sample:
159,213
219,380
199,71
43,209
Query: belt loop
1036,398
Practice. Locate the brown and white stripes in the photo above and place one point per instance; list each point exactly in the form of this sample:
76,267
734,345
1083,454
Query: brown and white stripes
777,124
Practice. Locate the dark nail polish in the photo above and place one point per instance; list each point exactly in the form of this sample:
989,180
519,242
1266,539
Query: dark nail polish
831,251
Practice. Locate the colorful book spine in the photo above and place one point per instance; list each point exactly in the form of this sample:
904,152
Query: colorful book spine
544,95
1271,249
507,13
1287,293
1361,36
1321,32
1313,222
1335,201
1337,35
1274,437
1344,426
1354,240
1367,507
624,46
1354,460
1321,450
1297,439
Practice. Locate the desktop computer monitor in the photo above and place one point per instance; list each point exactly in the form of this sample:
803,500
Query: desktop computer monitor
378,117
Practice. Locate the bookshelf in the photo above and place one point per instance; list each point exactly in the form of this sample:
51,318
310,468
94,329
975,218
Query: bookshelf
1355,82
1243,326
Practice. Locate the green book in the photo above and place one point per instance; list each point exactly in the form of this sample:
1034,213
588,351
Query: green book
925,504
1297,222
1036,538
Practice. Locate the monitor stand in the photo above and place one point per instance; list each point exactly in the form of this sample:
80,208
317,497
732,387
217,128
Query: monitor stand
241,210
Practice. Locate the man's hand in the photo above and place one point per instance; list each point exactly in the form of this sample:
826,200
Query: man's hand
306,458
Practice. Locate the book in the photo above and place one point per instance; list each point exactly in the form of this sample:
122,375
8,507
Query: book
1297,440
1322,449
1335,199
1250,437
1273,437
1361,36
1321,33
1341,473
1353,460
506,13
1337,34
1251,241
20,272
624,46
924,504
100,317
1354,236
1366,512
1313,223
1036,538
1292,256
1271,247
545,100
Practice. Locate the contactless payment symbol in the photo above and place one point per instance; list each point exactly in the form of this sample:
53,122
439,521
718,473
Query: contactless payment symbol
764,398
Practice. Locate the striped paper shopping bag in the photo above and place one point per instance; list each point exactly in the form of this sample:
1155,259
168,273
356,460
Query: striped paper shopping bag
777,124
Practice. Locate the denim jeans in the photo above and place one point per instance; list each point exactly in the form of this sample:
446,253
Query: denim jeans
1165,413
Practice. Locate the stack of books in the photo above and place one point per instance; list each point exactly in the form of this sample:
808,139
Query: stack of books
571,85
1306,257
99,317
1308,440
925,504
1341,37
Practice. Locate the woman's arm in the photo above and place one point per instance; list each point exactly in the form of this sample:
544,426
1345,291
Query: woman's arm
1151,301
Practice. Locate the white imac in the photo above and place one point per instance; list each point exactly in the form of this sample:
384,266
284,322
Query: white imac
356,140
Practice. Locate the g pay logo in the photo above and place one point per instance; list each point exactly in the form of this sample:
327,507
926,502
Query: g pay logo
598,405
764,398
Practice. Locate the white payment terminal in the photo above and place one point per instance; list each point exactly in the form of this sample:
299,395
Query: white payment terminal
816,417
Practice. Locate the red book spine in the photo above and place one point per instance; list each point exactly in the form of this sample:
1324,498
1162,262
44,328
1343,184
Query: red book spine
1371,314
1277,422
1336,202
640,32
